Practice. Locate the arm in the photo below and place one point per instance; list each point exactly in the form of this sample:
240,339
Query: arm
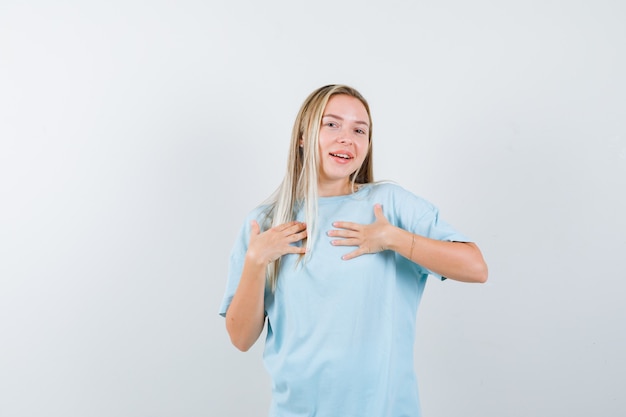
245,316
455,260
459,261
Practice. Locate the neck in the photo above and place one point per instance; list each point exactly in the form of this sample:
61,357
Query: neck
334,189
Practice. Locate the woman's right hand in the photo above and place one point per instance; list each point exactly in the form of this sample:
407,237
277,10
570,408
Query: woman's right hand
270,245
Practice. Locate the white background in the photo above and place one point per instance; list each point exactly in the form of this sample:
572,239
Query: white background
135,136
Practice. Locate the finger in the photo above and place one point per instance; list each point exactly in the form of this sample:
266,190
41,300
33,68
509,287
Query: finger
345,233
353,254
296,249
347,225
296,228
346,242
285,226
296,237
289,228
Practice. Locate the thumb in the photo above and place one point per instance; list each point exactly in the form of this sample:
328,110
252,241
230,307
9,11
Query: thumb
255,229
378,212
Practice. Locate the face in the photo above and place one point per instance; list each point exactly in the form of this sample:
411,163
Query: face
343,140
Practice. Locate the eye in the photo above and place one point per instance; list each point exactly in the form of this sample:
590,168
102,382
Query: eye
331,124
360,131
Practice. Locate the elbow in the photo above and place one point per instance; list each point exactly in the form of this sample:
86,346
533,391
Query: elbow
481,273
475,272
242,346
478,267
238,340
238,337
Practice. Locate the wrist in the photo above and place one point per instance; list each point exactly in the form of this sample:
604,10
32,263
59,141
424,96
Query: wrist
394,238
255,260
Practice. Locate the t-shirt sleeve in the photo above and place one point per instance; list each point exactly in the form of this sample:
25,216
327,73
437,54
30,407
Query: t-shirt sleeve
235,266
422,217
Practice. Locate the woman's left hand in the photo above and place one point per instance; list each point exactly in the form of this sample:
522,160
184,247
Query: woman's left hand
370,238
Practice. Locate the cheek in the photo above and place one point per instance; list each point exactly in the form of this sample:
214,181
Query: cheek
363,146
365,151
322,142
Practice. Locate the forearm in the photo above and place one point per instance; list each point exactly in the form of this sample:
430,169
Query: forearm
245,317
455,260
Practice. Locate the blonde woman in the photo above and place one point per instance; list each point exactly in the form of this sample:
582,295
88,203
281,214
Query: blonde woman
336,265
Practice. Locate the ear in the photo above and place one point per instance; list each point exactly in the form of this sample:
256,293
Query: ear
301,143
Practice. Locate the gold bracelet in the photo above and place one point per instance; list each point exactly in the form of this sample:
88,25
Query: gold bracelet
412,245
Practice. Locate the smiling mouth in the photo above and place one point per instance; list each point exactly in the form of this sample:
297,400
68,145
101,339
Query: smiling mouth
341,155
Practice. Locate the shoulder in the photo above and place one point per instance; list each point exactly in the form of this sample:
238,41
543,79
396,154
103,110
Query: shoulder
387,187
259,212
391,191
262,214
402,207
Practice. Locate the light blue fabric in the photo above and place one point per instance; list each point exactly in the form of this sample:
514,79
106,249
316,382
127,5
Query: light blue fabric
341,333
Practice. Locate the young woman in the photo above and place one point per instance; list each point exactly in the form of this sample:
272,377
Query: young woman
336,264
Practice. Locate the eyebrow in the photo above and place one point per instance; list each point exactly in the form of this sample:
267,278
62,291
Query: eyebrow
360,122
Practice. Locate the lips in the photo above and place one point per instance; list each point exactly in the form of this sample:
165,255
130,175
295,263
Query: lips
342,155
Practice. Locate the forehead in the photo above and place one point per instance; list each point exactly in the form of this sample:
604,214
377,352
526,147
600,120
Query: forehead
347,107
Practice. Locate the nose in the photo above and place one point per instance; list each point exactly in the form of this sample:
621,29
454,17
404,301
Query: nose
345,136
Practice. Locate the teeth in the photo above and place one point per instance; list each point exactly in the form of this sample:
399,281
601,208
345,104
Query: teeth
341,155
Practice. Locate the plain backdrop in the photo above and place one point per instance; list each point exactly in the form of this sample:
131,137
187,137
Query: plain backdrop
136,135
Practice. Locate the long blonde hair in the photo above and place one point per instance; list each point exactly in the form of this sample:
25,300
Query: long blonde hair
298,189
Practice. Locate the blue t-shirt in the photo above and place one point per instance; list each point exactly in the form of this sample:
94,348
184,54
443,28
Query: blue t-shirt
341,333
